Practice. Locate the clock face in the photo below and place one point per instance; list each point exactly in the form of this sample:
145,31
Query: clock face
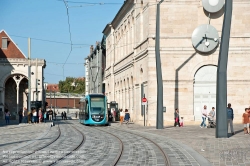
205,38
212,6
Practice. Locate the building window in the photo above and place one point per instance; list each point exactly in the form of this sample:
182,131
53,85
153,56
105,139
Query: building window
4,42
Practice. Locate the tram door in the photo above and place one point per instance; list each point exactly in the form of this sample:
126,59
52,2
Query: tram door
114,106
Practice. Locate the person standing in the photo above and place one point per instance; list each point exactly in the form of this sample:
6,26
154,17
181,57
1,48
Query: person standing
245,121
121,116
50,114
25,115
55,115
65,115
230,117
40,114
127,116
176,118
20,113
7,116
62,114
181,122
212,113
204,116
45,116
34,116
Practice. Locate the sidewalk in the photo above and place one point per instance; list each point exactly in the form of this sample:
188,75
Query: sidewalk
234,150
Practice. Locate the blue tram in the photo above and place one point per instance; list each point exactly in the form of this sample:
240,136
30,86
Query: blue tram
93,110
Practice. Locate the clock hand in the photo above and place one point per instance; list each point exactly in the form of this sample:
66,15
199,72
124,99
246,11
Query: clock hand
199,43
214,39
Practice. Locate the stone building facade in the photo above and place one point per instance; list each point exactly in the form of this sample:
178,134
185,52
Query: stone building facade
189,77
94,68
14,77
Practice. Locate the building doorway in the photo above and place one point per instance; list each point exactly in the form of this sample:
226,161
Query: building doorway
11,89
204,89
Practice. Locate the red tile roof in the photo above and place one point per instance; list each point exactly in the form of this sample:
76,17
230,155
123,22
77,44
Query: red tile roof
12,50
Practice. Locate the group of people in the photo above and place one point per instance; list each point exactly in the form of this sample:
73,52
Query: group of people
34,116
124,116
64,115
178,122
211,114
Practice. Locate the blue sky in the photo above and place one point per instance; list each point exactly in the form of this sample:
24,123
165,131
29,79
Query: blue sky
47,20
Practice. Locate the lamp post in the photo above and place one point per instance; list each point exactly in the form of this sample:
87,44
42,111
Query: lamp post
45,94
74,85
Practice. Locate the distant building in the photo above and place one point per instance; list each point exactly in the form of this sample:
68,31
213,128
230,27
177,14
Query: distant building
52,88
94,68
14,77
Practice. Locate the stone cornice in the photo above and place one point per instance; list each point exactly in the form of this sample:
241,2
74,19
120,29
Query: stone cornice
22,61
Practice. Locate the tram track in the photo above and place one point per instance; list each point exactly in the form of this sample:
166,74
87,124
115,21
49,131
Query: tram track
121,147
75,149
164,155
34,151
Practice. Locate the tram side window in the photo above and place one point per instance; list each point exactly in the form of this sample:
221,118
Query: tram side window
86,111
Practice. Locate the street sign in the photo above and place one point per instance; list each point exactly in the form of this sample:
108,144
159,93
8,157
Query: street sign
144,101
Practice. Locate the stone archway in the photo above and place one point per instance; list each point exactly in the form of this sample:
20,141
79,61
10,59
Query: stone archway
204,89
14,96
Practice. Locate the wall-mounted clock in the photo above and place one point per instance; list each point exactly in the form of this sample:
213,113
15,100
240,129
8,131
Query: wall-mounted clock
212,6
205,38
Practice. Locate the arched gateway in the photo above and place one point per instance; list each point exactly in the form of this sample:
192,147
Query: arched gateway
204,89
14,78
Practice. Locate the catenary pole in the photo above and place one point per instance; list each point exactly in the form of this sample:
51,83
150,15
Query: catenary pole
221,86
29,75
159,116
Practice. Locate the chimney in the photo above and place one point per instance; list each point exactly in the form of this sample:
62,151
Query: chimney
91,49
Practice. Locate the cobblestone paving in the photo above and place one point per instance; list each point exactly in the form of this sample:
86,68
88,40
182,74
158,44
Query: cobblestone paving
234,150
67,142
137,150
190,145
99,148
11,136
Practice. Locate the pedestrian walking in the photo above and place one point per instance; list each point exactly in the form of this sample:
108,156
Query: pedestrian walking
45,116
127,116
176,118
230,117
62,115
121,116
7,116
20,113
76,114
204,116
246,121
40,115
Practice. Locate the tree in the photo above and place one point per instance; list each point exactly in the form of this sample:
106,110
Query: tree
72,85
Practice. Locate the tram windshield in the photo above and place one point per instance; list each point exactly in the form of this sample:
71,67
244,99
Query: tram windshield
97,105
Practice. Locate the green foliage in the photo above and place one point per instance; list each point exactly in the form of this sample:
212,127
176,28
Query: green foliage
68,85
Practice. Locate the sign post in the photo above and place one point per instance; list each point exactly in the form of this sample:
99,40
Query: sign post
144,102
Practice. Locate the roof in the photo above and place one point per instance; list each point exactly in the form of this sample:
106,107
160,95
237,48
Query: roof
12,51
